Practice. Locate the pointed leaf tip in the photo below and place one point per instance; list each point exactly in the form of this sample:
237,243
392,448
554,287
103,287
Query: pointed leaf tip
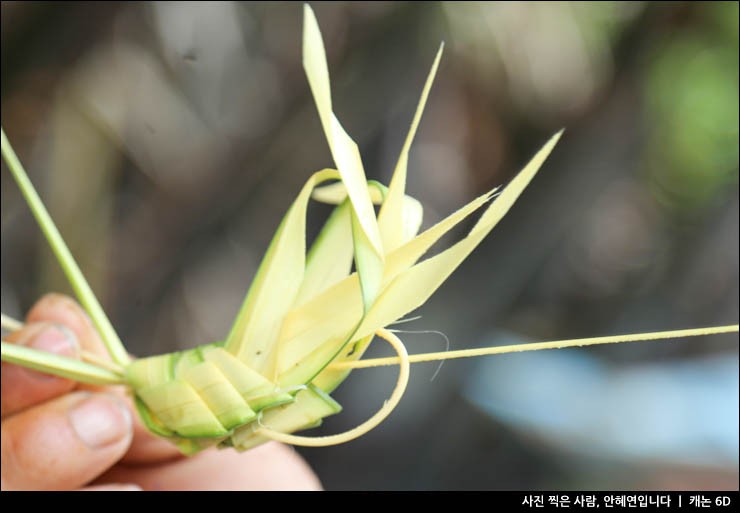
391,220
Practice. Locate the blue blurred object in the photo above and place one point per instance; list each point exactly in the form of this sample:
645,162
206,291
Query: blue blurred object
677,412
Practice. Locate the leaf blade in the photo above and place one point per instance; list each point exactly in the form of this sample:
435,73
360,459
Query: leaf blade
257,326
412,287
392,212
346,155
330,257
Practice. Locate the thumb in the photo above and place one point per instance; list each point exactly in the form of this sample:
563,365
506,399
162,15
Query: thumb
64,443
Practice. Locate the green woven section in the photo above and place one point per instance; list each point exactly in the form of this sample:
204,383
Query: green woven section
205,396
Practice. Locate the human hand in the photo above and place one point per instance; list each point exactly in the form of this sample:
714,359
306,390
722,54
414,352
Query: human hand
60,435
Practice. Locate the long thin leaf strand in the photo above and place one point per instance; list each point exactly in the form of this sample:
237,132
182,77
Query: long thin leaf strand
58,365
372,422
11,324
66,260
557,344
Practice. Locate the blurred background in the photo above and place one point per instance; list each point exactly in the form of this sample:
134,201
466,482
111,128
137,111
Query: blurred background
168,139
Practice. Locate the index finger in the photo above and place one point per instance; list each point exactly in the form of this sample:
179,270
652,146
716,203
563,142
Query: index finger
61,309
20,387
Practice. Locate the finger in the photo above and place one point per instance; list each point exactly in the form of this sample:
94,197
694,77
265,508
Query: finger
112,488
61,309
145,448
64,443
271,466
21,387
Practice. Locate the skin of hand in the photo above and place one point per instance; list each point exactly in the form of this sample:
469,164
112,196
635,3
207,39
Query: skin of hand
60,435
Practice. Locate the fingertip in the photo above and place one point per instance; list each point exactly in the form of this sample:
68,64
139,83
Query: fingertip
49,337
116,487
58,308
48,304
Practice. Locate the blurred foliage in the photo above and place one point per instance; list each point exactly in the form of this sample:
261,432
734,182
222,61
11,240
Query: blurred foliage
168,138
553,58
691,89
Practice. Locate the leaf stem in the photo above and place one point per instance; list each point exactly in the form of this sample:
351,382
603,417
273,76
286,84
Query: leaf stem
558,344
11,324
66,260
59,365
